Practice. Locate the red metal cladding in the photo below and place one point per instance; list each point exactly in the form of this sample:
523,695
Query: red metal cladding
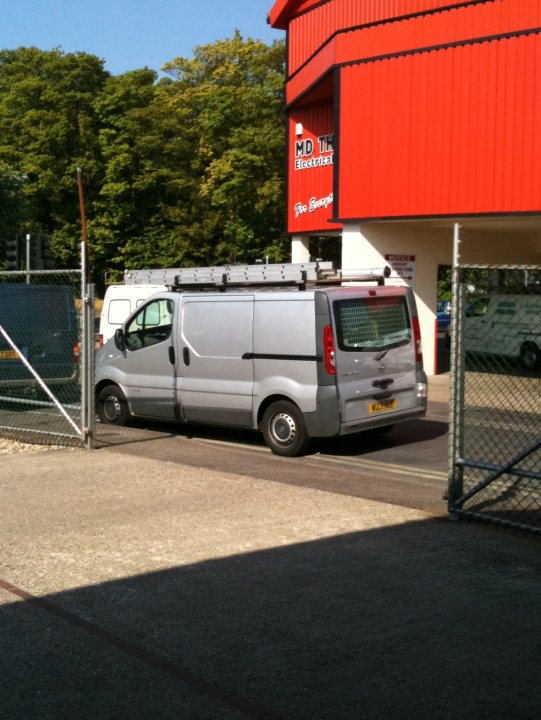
445,27
450,131
283,10
310,30
310,171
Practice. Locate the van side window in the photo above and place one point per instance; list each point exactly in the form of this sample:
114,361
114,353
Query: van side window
151,325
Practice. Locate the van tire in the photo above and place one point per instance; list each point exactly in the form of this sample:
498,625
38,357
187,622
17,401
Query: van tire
530,356
284,429
112,406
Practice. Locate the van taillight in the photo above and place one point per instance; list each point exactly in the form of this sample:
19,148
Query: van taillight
328,350
417,339
76,352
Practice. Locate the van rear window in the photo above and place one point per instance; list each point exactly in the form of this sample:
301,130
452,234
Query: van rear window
372,323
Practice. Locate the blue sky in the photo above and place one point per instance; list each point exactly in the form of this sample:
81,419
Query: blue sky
131,34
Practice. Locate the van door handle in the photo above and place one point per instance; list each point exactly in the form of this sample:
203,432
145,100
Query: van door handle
171,355
186,356
383,383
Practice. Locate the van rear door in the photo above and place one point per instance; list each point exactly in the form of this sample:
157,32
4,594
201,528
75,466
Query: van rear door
375,354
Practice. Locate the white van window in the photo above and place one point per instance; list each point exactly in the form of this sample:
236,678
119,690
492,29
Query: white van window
118,311
151,325
374,323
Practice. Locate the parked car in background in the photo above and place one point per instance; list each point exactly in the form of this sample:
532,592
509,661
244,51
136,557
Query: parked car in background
472,308
41,321
504,325
508,326
443,314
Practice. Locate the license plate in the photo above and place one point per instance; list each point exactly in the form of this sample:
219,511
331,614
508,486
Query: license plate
9,355
382,405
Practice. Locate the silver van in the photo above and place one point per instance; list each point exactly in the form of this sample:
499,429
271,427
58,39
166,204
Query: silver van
323,361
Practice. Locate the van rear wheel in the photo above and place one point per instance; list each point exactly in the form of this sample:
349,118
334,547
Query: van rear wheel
112,406
284,429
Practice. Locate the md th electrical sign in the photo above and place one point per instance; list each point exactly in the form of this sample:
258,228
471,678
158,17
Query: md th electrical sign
310,154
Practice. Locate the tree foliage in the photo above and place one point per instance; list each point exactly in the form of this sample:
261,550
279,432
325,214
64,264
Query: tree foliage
12,206
186,169
47,130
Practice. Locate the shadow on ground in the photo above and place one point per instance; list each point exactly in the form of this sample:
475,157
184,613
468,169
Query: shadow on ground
429,619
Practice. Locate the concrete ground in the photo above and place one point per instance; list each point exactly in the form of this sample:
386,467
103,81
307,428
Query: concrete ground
137,588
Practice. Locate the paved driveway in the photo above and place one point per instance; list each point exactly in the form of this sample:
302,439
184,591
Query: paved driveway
137,588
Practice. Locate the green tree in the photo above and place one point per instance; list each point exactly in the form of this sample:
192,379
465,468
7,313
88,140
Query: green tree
231,95
47,130
184,170
11,200
12,212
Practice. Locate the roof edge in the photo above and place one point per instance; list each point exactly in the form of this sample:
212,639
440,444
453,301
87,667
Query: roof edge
281,12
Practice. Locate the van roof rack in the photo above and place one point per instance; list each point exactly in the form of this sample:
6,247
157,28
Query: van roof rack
221,277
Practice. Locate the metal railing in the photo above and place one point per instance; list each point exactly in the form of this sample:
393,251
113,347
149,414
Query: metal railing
46,357
495,427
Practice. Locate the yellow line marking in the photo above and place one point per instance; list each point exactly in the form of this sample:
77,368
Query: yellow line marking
359,463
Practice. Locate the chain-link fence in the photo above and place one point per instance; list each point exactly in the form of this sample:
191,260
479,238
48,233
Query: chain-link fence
495,433
46,355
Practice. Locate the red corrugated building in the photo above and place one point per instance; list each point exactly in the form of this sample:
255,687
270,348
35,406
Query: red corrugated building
405,117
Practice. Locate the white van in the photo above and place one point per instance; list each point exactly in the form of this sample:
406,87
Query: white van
510,327
119,302
318,360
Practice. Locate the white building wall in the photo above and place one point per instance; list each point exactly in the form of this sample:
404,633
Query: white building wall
300,248
366,244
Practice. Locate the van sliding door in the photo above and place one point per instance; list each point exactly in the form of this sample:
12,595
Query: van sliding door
217,382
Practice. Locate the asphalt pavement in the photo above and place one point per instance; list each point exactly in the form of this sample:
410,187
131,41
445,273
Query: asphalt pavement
133,587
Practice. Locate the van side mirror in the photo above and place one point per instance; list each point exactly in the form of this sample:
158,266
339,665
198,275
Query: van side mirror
119,339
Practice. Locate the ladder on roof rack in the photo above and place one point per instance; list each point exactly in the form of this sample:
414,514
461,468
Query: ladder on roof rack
221,277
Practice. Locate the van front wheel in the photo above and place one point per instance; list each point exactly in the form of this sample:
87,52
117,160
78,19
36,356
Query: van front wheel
284,429
112,406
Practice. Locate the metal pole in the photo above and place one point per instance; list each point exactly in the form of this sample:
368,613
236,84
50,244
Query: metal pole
89,369
84,242
456,423
85,330
28,249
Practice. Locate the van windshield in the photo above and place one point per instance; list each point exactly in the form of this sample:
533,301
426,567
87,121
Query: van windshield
372,323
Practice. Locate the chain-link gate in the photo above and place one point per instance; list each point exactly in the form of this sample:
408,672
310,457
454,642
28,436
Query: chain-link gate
495,429
46,357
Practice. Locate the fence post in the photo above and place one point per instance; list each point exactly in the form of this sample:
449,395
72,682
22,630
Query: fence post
87,387
456,423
